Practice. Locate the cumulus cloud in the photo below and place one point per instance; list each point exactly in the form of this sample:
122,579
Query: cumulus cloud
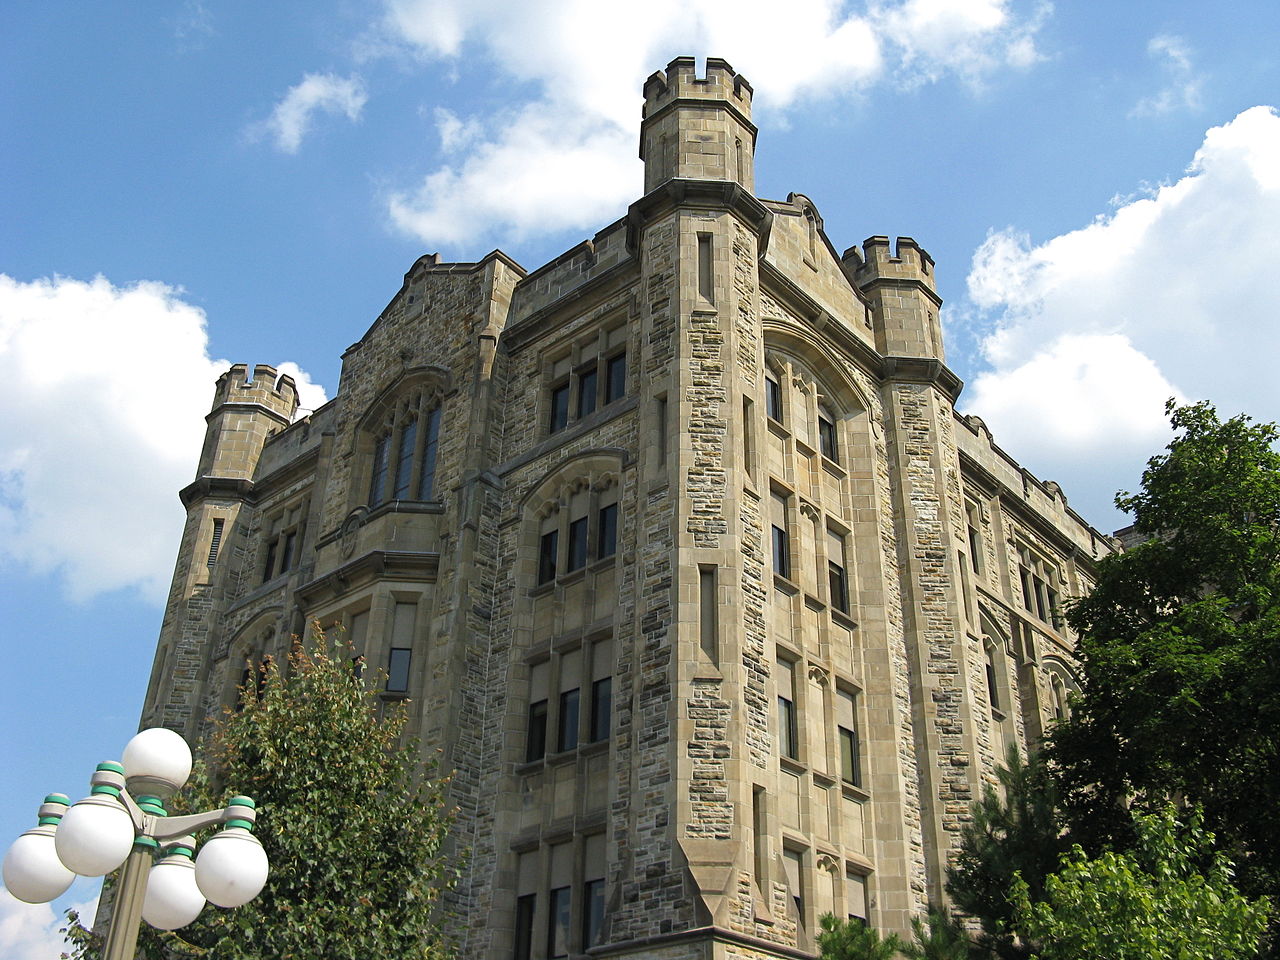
106,389
30,931
1182,81
581,118
292,117
1166,295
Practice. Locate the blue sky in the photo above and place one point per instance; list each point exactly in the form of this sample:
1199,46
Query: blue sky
191,184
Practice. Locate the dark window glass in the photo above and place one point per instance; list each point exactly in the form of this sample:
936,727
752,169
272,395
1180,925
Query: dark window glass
536,744
781,554
615,378
592,912
567,734
269,565
974,548
577,544
849,762
378,482
286,555
216,542
601,708
838,580
427,478
1041,599
993,691
558,924
525,907
587,392
398,669
788,739
404,460
559,407
772,399
607,531
827,438
547,556
1026,588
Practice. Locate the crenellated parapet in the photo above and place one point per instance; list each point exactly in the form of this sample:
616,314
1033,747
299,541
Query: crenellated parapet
246,411
265,388
898,279
681,81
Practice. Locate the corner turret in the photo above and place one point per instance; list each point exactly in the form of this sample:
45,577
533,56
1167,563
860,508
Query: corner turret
246,410
697,128
899,283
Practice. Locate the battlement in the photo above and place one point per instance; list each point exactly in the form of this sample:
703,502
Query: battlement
903,260
681,81
266,387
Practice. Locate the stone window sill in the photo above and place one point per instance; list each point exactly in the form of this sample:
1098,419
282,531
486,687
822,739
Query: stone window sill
853,792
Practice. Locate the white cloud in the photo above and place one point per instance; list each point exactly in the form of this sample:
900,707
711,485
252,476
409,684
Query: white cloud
581,122
105,389
1182,82
30,931
1169,294
292,117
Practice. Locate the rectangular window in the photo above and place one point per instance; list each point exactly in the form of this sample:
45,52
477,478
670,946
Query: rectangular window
793,860
547,546
788,733
748,437
535,747
427,475
404,459
709,616
398,670
781,545
975,542
216,542
401,655
378,481
760,829
847,732
525,907
593,870
837,577
269,565
567,733
559,408
558,923
993,689
705,287
607,531
286,554
855,885
772,399
601,707
577,558
827,438
615,378
587,392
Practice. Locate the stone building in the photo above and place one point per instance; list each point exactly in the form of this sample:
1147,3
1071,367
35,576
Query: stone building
677,548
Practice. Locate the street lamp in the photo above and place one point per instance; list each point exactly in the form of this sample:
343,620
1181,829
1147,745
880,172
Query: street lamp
109,827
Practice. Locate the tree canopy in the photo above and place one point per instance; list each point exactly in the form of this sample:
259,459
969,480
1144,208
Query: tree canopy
354,832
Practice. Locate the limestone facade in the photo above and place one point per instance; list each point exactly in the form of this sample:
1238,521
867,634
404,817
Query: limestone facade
675,547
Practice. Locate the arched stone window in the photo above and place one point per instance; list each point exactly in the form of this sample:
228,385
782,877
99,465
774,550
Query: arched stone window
401,433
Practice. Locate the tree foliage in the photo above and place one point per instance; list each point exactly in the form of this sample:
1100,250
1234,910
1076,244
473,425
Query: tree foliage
1152,903
1017,831
354,833
1180,651
851,940
940,936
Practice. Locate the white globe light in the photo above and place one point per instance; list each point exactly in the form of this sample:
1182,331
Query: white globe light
231,868
32,871
157,756
95,836
173,899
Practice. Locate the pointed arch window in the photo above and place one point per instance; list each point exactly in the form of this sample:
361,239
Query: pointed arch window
404,452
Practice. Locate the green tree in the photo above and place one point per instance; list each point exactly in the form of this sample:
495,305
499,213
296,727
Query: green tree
354,833
1150,904
940,937
1016,831
852,940
1180,652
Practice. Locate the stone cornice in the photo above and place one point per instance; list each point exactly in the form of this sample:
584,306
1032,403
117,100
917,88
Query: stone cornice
377,564
699,103
922,370
216,488
915,283
699,194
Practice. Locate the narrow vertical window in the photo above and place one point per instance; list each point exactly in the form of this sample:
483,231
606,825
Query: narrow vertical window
781,546
607,531
827,434
761,831
216,542
536,740
404,459
378,482
837,576
709,616
973,520
773,399
748,437
523,945
855,885
615,378
559,900
587,387
401,655
601,719
593,869
705,287
788,732
431,442
286,552
847,733
993,689
559,408
567,734
741,158
548,543
662,429
269,564
577,557
793,860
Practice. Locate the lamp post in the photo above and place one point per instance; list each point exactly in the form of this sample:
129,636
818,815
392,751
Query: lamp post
110,827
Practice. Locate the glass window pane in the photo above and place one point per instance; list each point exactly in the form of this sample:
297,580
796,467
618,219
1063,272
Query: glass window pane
587,392
567,735
547,547
378,481
781,554
772,399
524,926
536,742
427,476
404,459
559,407
601,708
615,386
398,670
592,912
577,544
558,926
607,531
827,438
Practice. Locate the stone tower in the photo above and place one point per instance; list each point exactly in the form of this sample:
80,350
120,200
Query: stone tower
677,550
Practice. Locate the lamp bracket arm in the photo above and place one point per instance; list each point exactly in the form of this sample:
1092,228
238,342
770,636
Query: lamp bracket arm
165,828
